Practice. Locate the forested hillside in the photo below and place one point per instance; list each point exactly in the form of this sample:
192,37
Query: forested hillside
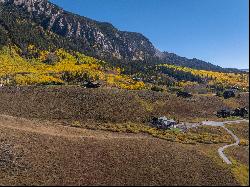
59,66
48,27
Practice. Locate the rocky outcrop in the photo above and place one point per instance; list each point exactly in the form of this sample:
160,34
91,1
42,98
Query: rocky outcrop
103,38
47,24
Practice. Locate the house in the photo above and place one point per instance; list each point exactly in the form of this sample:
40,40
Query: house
241,112
89,84
163,123
4,81
1,83
183,94
224,113
137,79
229,93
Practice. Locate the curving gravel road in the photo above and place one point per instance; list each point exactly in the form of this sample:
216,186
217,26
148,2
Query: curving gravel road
222,124
221,149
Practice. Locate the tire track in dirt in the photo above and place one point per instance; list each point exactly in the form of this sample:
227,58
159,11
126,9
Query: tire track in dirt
48,128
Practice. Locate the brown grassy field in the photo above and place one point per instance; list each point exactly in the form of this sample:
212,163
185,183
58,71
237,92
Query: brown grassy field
109,105
45,153
241,130
42,146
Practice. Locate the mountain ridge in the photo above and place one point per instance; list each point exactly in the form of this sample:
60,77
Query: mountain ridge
98,39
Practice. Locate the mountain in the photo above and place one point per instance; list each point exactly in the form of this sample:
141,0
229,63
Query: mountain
102,38
245,70
195,63
172,58
40,22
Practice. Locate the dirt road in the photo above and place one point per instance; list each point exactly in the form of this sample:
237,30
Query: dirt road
222,124
221,149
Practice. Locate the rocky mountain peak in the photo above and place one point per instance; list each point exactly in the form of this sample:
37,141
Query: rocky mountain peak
57,28
103,38
28,3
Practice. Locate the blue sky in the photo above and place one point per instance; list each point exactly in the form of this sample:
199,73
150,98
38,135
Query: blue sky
212,30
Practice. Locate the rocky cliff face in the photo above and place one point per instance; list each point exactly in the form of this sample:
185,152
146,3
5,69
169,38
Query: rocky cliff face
46,25
103,38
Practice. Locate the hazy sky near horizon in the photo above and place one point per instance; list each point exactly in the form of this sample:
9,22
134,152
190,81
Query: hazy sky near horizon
216,31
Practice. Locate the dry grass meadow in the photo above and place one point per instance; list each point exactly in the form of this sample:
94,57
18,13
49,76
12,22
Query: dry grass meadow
76,136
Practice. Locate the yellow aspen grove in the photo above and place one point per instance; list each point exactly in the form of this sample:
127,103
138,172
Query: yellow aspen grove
52,67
